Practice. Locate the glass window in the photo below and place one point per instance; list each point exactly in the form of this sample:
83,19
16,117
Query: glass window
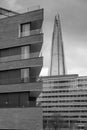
25,52
25,29
25,75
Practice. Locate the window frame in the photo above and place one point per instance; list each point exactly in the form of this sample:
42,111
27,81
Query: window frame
27,32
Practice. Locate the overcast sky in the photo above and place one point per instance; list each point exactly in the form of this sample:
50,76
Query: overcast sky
73,16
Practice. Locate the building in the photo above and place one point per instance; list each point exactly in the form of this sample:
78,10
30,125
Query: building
65,96
20,44
57,65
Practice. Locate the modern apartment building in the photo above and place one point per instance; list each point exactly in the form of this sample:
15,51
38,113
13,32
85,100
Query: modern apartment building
20,44
66,97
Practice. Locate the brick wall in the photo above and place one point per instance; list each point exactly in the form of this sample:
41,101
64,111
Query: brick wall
9,29
21,118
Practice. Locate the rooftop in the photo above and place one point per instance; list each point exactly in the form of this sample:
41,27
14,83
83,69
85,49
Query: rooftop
6,13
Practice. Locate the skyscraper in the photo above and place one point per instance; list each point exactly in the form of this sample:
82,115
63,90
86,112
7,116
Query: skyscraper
57,65
20,44
63,96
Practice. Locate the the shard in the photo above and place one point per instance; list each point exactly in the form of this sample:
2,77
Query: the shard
57,65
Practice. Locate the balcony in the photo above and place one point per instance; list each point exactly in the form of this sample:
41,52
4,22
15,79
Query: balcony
19,57
23,63
35,87
29,39
22,41
21,118
6,81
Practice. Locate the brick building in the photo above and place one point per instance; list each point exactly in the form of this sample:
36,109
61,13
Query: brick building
20,44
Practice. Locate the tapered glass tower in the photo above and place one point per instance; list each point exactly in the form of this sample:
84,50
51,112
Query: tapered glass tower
57,66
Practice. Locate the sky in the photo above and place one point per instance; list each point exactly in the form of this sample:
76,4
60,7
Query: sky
73,17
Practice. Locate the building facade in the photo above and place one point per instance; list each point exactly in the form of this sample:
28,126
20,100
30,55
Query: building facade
66,97
20,44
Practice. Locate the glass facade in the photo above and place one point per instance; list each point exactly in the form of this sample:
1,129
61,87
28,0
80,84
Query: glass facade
57,66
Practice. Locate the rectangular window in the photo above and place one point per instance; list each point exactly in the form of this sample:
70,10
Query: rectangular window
24,99
29,28
14,99
25,52
25,75
10,54
3,100
25,29
10,77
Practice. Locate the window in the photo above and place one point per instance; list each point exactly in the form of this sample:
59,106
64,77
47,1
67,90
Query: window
25,52
14,99
10,54
10,77
25,75
29,28
24,29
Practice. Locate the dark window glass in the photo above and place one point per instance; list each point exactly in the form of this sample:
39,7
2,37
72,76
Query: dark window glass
19,99
10,77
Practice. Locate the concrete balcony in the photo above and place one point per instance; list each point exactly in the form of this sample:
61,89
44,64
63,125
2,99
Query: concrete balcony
21,118
23,63
31,39
21,41
35,88
19,57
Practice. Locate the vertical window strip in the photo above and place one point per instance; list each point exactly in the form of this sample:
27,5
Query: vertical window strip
25,52
25,75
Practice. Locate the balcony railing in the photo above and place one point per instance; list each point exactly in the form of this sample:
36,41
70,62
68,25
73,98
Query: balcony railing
19,57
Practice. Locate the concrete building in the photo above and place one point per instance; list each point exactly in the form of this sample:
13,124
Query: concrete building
20,44
65,96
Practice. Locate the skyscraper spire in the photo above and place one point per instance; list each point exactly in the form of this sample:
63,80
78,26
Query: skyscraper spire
57,66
